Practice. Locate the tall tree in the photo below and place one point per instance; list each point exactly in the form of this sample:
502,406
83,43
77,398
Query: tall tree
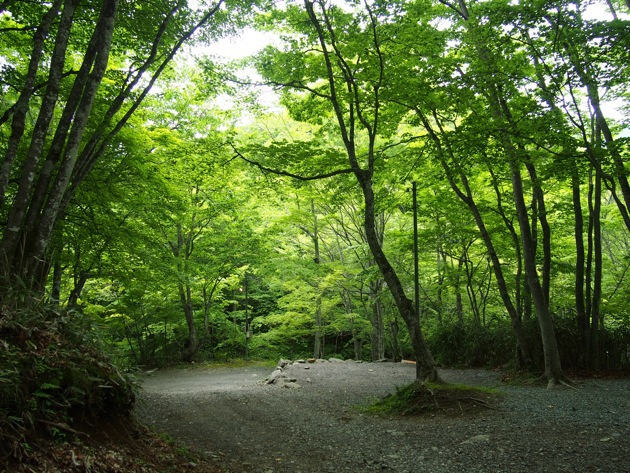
78,105
337,67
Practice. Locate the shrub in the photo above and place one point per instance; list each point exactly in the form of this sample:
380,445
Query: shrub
471,344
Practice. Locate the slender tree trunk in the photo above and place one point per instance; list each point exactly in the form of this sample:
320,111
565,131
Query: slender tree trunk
459,306
378,338
35,209
546,229
553,368
426,369
185,298
38,240
317,345
182,249
80,278
507,131
466,196
22,105
580,261
597,275
318,348
393,326
348,118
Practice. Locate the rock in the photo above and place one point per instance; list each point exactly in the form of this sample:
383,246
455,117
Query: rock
335,360
477,439
311,360
300,361
291,385
275,375
282,363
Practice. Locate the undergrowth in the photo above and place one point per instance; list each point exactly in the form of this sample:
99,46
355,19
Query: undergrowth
430,398
54,377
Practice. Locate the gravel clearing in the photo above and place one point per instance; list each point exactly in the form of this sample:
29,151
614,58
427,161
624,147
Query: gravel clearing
231,416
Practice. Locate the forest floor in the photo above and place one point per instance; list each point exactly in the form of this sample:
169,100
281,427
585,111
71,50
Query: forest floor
234,422
227,420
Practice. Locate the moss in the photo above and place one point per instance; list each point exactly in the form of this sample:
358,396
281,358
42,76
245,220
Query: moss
431,398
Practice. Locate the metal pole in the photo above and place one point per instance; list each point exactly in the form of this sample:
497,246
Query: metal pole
416,276
246,320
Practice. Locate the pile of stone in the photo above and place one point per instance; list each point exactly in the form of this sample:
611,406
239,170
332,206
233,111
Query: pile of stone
280,377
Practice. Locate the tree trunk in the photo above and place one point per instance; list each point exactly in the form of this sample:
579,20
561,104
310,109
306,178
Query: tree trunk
426,369
580,261
317,345
378,338
13,239
466,196
80,278
318,348
597,275
348,118
192,345
38,239
35,209
507,131
396,354
22,105
459,305
553,368
182,249
546,229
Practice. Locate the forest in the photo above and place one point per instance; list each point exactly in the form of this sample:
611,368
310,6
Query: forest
432,180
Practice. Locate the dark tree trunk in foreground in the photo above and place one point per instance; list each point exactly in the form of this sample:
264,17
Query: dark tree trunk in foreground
74,122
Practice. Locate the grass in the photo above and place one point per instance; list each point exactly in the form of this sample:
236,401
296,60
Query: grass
429,398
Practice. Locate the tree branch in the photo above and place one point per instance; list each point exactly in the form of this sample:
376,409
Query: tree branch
282,85
280,172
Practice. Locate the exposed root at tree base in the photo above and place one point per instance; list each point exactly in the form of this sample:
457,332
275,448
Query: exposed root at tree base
560,381
448,400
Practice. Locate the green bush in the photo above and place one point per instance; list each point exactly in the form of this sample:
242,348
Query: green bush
470,344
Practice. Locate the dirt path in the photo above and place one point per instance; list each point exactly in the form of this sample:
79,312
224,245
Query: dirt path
229,415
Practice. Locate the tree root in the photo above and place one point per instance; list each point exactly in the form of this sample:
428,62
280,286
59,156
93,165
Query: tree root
64,427
445,400
556,381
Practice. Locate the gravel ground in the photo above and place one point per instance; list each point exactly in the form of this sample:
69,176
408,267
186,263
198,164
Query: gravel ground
231,416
